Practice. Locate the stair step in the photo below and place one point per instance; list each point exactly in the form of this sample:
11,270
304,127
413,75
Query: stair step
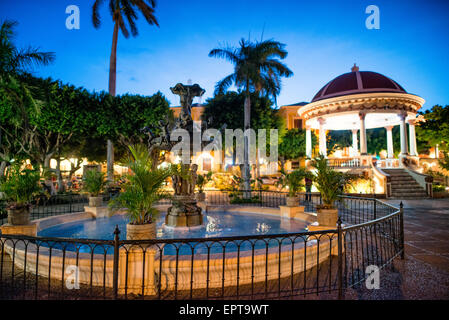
409,194
407,188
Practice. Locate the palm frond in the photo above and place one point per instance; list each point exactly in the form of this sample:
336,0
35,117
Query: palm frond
96,20
32,56
224,84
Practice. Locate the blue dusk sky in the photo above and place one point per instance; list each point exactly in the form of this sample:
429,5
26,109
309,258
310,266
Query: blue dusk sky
323,38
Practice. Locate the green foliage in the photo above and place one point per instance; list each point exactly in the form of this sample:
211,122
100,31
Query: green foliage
376,139
256,67
228,109
438,188
18,61
435,130
237,197
121,118
329,182
293,180
444,162
144,187
293,144
20,186
202,180
94,182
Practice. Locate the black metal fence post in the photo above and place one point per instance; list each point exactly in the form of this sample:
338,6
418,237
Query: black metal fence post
340,259
115,266
401,226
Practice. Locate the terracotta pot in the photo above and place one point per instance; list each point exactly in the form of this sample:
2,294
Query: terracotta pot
95,201
141,231
19,217
292,201
200,196
327,217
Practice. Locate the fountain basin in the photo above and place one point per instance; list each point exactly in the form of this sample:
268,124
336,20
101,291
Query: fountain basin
175,265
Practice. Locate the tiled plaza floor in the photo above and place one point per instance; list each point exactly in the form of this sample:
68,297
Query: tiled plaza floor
424,274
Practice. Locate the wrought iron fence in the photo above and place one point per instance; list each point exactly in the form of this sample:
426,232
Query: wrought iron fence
55,205
370,232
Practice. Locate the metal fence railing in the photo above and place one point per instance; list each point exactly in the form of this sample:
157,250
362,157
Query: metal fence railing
55,205
273,266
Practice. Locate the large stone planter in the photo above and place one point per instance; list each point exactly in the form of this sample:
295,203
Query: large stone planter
292,201
200,196
327,217
141,231
95,201
19,217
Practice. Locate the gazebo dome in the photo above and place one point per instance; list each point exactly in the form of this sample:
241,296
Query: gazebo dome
355,82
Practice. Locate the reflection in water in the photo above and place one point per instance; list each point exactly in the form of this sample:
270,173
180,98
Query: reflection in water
217,224
262,228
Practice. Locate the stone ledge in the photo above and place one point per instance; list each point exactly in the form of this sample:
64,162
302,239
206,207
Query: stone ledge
290,212
99,212
26,229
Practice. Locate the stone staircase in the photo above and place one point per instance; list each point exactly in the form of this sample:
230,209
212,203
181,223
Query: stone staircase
404,186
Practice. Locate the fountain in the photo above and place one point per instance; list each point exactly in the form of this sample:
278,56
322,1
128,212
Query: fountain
184,212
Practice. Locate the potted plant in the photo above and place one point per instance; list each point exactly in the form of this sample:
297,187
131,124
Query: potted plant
331,184
293,181
18,189
201,181
142,189
94,183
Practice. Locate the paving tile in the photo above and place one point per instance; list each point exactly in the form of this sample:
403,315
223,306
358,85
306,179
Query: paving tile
439,262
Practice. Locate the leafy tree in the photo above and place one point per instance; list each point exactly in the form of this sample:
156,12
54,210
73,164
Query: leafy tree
435,130
121,10
66,114
16,100
376,139
228,108
256,69
121,118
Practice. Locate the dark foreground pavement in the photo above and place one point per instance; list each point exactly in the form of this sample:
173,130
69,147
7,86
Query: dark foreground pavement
424,273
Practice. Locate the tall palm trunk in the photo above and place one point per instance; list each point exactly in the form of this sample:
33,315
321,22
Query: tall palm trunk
112,85
246,175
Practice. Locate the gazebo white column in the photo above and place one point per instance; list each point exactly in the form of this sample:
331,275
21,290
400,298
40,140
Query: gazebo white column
390,151
308,142
363,148
412,134
404,149
322,138
355,143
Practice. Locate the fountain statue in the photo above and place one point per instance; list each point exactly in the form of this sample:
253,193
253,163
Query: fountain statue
184,211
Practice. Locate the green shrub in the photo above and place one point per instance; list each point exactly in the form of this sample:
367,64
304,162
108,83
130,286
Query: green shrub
329,182
94,182
293,180
202,180
144,187
20,187
438,188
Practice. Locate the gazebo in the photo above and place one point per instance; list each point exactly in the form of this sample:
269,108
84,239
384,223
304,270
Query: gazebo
361,100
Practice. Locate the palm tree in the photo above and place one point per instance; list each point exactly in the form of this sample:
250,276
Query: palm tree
15,61
121,10
256,69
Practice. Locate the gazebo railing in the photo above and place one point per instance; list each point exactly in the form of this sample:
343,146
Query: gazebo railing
344,163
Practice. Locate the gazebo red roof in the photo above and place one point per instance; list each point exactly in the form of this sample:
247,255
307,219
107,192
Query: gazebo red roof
358,82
